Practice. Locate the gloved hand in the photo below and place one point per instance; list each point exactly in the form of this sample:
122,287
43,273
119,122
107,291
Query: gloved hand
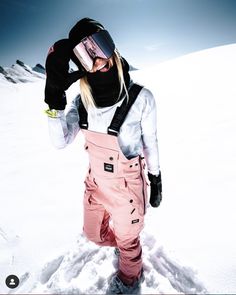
156,189
58,78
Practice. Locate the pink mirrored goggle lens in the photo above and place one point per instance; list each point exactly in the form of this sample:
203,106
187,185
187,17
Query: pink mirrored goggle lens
98,45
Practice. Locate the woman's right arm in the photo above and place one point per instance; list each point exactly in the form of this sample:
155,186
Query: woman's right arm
64,128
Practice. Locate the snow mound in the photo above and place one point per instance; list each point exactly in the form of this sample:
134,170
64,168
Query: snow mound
86,269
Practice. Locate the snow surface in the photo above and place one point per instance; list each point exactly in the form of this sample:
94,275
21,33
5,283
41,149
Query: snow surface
189,243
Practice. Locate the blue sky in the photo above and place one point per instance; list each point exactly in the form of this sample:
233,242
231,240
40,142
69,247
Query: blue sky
145,31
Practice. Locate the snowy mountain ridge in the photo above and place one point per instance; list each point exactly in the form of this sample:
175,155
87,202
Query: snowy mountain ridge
21,73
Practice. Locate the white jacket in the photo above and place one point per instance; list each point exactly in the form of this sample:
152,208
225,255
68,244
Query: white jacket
137,135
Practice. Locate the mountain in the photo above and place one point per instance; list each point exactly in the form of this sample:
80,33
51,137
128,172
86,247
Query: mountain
132,68
39,68
21,73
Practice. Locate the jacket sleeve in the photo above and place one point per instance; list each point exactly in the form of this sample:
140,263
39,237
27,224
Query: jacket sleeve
149,132
64,128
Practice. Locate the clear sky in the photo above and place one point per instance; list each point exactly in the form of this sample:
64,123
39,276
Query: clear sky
145,31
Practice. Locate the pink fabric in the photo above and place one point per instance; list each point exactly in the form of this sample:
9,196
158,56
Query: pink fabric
116,191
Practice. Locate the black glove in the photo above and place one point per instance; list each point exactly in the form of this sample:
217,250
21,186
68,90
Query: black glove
58,78
156,189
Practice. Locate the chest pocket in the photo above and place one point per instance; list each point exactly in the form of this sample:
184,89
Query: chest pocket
103,161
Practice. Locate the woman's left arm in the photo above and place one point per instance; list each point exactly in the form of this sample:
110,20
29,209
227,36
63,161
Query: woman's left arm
149,132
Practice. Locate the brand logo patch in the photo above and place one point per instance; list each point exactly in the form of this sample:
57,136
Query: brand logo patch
108,167
135,221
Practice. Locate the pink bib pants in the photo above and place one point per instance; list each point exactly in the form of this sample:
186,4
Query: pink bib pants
114,201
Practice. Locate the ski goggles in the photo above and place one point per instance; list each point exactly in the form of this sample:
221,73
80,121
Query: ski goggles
96,45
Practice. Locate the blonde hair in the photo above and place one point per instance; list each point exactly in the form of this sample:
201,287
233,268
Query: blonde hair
86,91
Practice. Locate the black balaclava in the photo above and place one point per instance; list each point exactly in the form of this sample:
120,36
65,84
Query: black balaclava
105,85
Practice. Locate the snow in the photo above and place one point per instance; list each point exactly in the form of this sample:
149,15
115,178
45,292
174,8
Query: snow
20,73
189,245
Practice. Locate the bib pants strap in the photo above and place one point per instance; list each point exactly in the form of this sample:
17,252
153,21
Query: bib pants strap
83,115
120,113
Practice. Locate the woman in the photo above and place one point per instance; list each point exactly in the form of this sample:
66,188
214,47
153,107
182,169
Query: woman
118,120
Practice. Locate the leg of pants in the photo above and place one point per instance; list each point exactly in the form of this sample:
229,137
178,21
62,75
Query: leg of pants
125,205
96,219
128,242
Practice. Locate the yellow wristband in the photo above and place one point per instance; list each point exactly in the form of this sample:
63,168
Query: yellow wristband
51,113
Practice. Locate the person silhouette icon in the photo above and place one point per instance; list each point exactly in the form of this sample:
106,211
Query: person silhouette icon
12,282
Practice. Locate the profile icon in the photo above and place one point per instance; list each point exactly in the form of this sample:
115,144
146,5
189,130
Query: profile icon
12,281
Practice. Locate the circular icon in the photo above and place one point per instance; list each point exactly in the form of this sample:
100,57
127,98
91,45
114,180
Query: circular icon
12,281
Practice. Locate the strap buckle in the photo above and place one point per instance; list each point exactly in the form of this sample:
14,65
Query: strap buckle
112,131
